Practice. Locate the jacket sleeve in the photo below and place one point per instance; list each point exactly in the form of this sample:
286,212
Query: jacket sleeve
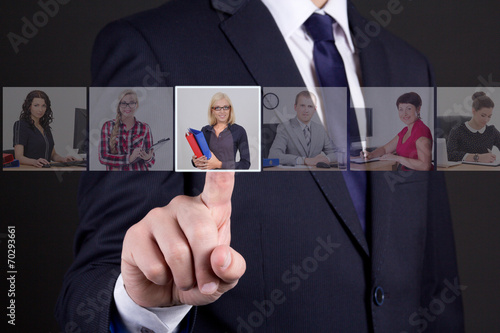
329,148
121,58
453,145
279,147
244,162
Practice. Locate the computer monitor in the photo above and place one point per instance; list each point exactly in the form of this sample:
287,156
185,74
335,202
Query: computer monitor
80,138
354,134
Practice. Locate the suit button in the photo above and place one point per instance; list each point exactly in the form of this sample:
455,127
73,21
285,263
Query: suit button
378,296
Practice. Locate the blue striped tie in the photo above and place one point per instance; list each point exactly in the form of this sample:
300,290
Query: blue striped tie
330,71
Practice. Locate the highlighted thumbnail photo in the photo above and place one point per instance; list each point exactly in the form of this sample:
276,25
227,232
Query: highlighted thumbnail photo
467,124
44,128
222,144
131,129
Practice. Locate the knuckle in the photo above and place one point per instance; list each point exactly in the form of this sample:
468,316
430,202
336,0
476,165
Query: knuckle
175,205
178,254
155,214
156,272
133,232
176,200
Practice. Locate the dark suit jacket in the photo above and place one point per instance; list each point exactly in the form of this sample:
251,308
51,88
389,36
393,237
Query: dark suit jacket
309,265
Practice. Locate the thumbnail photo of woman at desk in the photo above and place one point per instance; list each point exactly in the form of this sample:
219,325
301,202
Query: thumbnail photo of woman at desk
33,141
125,143
224,137
473,140
413,145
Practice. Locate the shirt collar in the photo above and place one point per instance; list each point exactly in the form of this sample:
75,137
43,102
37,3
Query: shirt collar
212,129
290,15
122,125
473,130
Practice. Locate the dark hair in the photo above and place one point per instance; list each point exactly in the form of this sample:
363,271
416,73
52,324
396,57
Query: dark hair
480,100
306,94
26,112
410,98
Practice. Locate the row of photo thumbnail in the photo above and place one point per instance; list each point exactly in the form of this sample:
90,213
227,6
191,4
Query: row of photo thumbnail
250,128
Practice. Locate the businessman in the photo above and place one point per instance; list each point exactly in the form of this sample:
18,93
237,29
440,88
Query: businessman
301,140
155,251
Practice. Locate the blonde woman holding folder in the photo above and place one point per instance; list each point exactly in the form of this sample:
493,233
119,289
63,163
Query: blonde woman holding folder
224,137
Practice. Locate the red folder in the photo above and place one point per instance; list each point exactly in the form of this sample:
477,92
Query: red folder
7,158
194,145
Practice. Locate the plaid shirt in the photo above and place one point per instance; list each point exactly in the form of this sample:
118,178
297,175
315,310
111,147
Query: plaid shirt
139,136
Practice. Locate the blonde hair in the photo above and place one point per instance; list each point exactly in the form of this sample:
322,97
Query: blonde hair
215,98
118,120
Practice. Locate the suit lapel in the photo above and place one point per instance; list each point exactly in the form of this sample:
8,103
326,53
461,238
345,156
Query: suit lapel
375,73
332,184
257,39
382,206
316,138
255,36
372,55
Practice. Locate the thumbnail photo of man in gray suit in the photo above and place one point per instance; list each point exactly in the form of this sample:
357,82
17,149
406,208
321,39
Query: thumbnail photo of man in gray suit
301,140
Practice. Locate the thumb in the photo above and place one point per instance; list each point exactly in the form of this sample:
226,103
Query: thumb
228,265
218,189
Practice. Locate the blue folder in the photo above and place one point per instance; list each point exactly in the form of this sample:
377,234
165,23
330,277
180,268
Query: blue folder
202,143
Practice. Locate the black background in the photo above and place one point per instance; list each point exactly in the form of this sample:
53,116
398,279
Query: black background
461,39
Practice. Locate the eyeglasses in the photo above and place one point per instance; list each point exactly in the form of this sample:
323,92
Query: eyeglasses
220,108
131,105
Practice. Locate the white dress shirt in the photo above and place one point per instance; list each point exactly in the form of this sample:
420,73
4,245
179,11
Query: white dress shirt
135,317
290,16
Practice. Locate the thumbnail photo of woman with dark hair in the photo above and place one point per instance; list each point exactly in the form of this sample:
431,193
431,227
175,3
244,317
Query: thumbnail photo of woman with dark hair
413,144
473,140
33,141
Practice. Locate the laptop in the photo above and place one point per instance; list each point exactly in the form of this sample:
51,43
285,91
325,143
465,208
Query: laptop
442,155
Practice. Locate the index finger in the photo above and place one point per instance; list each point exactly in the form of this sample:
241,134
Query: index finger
207,225
218,189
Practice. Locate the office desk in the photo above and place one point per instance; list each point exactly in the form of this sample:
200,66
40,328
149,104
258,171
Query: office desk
23,167
469,167
374,166
298,168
